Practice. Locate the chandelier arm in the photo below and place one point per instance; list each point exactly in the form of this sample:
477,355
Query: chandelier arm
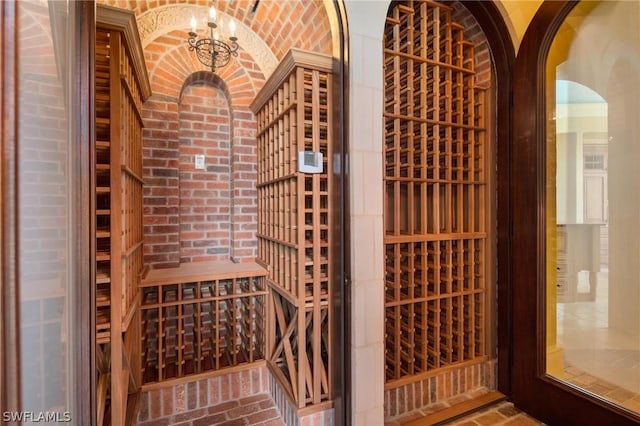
212,52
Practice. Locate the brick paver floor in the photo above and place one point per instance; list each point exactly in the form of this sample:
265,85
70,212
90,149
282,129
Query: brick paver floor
257,410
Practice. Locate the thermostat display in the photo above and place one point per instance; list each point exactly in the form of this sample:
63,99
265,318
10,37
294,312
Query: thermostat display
310,162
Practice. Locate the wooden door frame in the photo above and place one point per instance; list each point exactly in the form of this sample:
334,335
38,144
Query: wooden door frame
82,140
503,57
543,396
341,302
10,389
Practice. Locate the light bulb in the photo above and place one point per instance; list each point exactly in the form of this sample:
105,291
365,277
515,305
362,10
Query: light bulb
232,28
212,14
194,24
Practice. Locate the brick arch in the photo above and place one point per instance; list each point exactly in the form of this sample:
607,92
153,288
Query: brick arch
170,63
208,78
274,21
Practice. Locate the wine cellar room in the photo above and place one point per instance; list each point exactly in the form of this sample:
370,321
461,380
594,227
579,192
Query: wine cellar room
260,212
220,217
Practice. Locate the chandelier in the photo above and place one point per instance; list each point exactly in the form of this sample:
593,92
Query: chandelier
213,52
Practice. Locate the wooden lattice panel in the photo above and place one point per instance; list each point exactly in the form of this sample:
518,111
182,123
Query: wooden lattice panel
294,114
131,184
435,193
121,85
201,317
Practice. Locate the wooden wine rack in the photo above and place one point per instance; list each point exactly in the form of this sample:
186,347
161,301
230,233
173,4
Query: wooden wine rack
121,85
435,193
294,113
200,317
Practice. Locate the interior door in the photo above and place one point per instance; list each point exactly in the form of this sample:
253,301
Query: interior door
595,183
565,349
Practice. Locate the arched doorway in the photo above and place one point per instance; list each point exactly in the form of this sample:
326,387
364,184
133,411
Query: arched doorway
579,308
442,101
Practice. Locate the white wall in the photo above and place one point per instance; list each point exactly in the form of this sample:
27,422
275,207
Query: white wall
366,26
572,121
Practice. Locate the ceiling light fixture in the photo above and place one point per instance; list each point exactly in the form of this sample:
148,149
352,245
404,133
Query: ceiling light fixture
213,51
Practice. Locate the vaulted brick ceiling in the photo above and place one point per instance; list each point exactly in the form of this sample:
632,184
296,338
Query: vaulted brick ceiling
278,25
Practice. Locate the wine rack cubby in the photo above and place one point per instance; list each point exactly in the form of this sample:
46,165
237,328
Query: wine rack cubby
435,183
121,86
202,317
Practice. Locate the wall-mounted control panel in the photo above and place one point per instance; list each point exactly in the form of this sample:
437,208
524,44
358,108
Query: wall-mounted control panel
309,162
199,162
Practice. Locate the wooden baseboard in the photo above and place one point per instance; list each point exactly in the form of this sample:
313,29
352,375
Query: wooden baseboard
458,410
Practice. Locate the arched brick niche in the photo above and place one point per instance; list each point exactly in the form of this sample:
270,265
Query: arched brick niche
205,193
172,72
170,65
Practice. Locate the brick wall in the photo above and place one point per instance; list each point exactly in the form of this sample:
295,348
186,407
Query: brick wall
205,195
43,152
289,411
439,389
195,215
173,190
190,401
161,159
224,396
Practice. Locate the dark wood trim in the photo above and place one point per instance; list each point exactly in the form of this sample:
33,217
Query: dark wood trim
82,146
503,55
340,238
544,397
10,389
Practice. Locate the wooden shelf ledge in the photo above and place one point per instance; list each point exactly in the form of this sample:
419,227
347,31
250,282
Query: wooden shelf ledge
203,271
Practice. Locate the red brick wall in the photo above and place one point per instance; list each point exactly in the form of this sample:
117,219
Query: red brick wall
161,159
439,390
205,195
193,215
245,177
202,398
180,222
43,156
